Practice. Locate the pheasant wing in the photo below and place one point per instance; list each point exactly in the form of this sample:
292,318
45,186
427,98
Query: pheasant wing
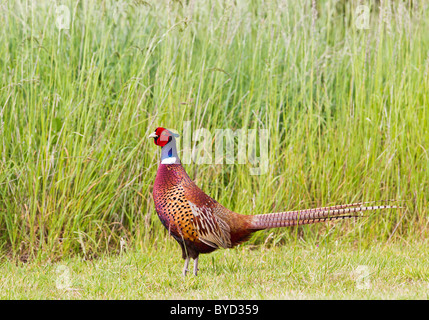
210,227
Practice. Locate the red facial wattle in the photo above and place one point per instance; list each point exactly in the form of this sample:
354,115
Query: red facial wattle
163,137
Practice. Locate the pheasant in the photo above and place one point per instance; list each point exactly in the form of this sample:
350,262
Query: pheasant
201,225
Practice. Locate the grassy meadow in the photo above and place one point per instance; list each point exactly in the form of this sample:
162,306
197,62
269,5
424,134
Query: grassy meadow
332,271
342,90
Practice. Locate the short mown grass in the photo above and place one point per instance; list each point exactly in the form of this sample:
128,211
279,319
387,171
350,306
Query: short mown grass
297,271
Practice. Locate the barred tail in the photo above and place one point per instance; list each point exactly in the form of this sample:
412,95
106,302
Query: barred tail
293,218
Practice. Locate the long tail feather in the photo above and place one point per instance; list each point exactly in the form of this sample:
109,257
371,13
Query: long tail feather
308,216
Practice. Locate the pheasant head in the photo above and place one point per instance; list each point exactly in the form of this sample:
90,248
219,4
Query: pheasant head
167,141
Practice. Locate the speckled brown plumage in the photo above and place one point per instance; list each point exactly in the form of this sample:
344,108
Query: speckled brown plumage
198,222
201,225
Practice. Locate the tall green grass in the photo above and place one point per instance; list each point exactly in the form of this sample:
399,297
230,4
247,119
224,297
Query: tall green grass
347,112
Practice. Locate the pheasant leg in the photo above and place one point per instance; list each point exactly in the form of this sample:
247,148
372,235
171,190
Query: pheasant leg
185,268
196,266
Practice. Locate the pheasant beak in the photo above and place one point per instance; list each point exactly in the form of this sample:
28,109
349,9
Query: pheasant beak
153,135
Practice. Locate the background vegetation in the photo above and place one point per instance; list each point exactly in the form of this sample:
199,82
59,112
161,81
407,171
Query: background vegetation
347,112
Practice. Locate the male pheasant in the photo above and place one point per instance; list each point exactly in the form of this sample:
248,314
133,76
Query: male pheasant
201,225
